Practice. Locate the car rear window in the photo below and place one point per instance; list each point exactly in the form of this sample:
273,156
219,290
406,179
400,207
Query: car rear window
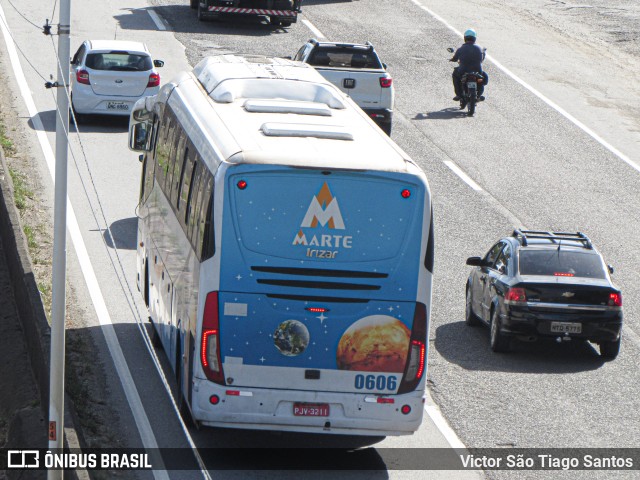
344,57
561,263
120,61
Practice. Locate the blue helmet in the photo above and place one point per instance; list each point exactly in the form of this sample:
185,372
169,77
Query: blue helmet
470,33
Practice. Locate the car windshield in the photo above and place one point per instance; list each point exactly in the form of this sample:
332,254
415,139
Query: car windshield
120,61
344,57
561,263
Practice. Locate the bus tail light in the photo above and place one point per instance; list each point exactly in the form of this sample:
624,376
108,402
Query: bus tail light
210,344
417,357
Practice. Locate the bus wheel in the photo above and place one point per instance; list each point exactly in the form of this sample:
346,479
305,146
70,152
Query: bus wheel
181,401
155,338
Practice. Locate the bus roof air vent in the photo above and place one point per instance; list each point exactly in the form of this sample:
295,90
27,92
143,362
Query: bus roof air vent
334,132
228,91
287,106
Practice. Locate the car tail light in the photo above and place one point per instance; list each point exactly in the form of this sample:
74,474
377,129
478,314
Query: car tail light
416,360
210,343
515,295
82,76
385,82
615,299
154,80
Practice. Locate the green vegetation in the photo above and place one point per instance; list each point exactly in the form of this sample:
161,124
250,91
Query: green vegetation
20,190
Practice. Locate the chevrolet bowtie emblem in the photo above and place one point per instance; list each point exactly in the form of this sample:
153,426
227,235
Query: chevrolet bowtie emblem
568,294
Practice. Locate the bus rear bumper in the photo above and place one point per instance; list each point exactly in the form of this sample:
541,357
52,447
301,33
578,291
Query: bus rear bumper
349,413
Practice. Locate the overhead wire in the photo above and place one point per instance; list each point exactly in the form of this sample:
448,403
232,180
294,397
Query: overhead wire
53,12
24,55
22,15
119,270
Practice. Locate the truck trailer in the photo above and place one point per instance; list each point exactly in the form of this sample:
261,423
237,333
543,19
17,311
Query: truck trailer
280,13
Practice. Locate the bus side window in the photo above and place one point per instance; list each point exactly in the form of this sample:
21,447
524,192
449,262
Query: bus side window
172,139
195,196
205,230
148,168
162,153
180,156
185,184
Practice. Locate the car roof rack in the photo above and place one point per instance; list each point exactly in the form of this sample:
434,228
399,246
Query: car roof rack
523,236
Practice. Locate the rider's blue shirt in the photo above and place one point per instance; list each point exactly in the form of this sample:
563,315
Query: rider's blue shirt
470,56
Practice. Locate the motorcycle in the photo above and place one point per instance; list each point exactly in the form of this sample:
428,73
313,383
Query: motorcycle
470,86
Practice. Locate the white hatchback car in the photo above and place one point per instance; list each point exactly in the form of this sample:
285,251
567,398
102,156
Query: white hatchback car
109,76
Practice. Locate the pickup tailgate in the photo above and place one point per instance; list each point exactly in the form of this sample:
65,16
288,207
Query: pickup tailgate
362,85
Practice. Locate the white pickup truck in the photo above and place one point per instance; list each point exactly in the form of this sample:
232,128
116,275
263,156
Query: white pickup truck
357,70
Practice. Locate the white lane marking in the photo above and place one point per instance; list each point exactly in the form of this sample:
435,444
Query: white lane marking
139,415
546,100
441,424
314,30
157,20
466,178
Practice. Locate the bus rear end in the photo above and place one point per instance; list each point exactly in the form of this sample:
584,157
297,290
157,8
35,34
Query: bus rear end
320,320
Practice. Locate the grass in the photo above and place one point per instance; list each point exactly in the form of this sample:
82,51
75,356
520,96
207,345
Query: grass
31,237
21,191
7,145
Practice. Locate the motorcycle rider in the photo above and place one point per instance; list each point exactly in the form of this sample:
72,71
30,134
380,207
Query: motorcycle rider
470,57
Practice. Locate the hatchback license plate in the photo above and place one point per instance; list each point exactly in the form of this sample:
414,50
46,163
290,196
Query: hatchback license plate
311,409
566,327
117,106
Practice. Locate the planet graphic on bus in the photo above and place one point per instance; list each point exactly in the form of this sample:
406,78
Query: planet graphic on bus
377,343
291,338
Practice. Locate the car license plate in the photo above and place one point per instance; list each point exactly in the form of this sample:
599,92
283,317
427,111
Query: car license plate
311,409
117,106
566,327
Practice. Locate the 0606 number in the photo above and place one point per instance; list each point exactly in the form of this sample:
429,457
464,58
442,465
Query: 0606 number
375,382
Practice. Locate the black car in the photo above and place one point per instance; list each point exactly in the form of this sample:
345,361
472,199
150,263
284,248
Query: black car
545,284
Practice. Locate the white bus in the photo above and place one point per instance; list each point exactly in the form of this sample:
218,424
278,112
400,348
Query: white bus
285,252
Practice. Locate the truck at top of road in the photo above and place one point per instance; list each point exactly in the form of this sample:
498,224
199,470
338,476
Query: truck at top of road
357,70
281,13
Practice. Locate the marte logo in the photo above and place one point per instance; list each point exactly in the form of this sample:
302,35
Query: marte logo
324,210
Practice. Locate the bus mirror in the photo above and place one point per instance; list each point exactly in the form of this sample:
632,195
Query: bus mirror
140,137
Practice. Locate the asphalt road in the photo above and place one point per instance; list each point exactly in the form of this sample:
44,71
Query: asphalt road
531,164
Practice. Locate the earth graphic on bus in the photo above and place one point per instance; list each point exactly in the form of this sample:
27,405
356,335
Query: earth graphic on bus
377,343
291,338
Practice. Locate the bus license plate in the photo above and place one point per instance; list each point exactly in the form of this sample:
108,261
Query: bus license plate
311,409
566,327
117,106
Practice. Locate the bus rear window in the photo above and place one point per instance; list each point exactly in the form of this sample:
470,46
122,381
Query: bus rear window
561,263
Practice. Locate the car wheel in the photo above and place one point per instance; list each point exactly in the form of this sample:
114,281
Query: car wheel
610,350
470,318
194,4
499,342
200,13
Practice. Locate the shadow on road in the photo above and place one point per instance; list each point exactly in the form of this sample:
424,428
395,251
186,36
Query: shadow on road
469,347
124,234
444,114
90,123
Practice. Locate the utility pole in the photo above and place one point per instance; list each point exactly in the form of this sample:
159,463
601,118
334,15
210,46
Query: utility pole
58,307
